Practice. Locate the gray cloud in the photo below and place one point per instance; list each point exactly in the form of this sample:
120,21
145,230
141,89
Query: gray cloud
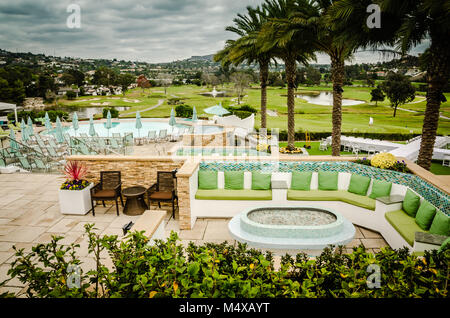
144,30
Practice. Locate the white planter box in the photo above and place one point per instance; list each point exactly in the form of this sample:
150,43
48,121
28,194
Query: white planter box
75,202
8,169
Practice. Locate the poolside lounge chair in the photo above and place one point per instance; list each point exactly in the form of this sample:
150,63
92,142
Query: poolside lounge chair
109,189
163,135
151,136
11,126
26,164
116,135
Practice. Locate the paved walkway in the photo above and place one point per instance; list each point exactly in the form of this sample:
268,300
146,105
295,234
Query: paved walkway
29,215
160,102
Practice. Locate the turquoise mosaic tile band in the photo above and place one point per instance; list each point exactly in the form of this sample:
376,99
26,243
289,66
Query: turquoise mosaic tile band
435,196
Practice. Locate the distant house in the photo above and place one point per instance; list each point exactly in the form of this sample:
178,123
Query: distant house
63,91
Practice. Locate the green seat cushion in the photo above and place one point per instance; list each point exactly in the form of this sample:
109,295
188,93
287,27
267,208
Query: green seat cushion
339,195
404,224
234,180
359,184
380,189
440,224
245,195
425,215
411,203
261,181
328,180
445,245
301,181
207,179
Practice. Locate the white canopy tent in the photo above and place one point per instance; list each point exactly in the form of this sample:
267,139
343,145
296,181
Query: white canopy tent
6,106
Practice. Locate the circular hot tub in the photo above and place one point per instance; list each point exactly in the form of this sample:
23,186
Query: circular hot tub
300,227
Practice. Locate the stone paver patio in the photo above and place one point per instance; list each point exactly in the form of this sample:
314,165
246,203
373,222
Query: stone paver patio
29,215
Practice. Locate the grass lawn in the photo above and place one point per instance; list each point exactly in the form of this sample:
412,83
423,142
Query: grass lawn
314,151
439,169
314,118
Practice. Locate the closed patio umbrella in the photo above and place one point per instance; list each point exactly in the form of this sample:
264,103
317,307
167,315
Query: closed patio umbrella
24,130
48,124
75,122
59,131
13,144
138,123
30,127
194,115
172,120
108,124
91,127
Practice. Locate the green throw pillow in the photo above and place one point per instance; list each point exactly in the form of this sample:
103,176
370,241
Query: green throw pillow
445,245
411,203
380,189
425,215
261,181
234,180
301,181
440,225
207,180
359,184
328,180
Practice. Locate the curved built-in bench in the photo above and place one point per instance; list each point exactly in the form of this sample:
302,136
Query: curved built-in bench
339,195
380,215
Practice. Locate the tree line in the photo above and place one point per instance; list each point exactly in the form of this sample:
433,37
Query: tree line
295,30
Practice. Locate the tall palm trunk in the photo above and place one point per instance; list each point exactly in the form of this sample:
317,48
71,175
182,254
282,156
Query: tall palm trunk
337,77
438,76
291,69
263,76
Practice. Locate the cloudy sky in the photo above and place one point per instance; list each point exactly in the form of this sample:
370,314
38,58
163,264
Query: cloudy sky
144,30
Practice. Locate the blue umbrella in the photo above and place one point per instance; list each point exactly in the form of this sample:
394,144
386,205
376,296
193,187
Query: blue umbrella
59,131
30,127
24,130
138,123
75,122
108,124
194,115
48,124
91,127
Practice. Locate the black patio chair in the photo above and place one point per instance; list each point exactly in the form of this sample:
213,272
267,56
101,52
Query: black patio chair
164,190
109,189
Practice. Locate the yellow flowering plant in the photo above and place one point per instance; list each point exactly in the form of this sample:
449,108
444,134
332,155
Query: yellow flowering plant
383,160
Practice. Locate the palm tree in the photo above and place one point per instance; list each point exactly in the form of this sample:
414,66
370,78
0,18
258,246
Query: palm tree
246,49
406,24
275,36
312,17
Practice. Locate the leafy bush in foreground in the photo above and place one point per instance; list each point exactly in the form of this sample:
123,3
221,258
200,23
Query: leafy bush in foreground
167,269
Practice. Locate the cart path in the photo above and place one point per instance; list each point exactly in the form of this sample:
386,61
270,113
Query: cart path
160,102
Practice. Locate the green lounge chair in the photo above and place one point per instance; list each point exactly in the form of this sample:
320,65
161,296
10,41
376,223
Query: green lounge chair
26,164
11,126
151,136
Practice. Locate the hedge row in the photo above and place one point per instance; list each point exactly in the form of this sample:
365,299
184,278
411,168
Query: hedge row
300,135
168,269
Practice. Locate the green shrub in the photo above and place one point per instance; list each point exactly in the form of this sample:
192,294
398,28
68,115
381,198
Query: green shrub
174,101
300,135
52,114
71,95
184,111
114,112
167,269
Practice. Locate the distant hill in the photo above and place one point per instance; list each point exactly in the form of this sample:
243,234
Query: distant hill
208,58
